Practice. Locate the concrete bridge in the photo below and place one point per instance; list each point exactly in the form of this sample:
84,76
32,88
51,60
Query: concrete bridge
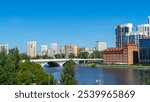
61,62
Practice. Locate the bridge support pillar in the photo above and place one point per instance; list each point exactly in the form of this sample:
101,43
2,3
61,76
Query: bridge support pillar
84,61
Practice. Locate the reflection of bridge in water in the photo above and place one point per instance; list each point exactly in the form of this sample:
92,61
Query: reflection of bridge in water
61,62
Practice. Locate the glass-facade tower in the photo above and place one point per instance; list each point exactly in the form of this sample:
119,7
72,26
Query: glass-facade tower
144,45
122,31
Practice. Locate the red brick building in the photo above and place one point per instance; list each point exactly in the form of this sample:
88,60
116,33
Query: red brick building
125,55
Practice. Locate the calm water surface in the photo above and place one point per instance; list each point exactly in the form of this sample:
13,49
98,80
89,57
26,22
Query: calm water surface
105,76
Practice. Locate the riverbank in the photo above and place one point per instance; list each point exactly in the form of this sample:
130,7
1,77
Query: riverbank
124,66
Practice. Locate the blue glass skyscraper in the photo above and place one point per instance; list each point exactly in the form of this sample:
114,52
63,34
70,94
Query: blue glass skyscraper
144,45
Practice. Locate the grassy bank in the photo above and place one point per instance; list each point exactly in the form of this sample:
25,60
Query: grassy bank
125,66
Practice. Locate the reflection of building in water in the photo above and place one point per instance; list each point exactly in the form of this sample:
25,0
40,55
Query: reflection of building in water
133,76
126,76
130,74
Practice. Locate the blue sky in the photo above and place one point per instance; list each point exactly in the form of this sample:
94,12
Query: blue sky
81,22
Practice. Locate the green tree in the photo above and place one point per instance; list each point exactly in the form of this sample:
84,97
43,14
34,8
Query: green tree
9,66
62,55
72,55
37,57
14,71
30,73
145,77
57,56
96,54
14,56
84,55
45,57
68,76
3,58
25,57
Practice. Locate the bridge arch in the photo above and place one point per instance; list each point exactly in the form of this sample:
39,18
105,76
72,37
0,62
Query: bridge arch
56,64
75,62
53,64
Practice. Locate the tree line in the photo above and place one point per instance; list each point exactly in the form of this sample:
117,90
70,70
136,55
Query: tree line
13,71
84,55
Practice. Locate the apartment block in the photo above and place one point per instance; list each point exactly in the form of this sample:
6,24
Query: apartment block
31,48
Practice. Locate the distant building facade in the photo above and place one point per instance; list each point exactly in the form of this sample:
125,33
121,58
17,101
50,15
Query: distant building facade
144,51
31,48
4,47
101,46
43,50
148,19
134,37
62,50
53,50
85,49
71,49
124,55
144,28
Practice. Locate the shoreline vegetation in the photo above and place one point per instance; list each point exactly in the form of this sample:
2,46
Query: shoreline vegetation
124,66
142,67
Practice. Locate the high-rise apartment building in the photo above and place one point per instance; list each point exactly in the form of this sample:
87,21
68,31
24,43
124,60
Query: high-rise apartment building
101,46
31,48
62,49
71,49
134,37
53,50
43,50
122,31
148,19
4,47
144,28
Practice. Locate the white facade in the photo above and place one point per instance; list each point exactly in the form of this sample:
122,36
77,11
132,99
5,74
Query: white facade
148,19
86,49
43,50
62,49
144,28
134,37
101,46
31,48
4,47
53,50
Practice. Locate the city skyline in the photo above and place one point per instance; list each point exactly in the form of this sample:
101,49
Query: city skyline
66,22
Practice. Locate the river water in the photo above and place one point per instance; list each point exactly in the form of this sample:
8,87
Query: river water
87,75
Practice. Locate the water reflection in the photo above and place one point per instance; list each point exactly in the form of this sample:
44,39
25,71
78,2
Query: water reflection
105,76
121,77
